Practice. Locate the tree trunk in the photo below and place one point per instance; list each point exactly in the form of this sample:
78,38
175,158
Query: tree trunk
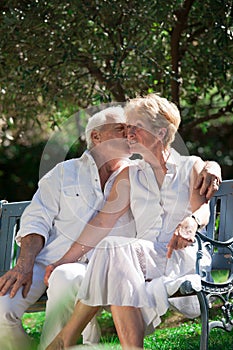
181,23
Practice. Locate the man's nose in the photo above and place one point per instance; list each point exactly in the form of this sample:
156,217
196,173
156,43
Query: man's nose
125,132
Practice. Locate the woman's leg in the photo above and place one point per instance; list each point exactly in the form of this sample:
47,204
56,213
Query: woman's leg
129,324
70,333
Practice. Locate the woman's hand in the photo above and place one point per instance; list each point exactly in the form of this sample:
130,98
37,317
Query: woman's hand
183,236
49,269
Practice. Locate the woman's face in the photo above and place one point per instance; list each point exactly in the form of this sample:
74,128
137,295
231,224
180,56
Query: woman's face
141,137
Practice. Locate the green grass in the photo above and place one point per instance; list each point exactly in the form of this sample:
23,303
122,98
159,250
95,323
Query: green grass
185,336
174,333
220,276
33,324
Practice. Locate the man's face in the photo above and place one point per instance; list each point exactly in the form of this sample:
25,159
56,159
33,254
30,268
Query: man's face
110,138
113,131
113,139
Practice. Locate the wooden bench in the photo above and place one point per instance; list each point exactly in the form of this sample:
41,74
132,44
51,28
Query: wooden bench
219,234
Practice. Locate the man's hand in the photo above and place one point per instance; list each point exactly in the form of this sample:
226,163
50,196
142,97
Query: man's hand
183,236
14,279
49,269
209,179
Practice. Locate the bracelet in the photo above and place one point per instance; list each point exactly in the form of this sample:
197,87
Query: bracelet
83,251
197,221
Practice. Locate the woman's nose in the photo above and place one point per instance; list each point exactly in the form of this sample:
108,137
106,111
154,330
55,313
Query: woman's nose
131,131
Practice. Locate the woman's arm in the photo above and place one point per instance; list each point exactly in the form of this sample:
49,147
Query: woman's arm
116,205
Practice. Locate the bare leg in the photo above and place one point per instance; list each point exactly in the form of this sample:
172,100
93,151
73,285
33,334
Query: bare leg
72,330
129,325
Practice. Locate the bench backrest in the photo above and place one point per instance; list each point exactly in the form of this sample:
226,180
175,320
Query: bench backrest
10,214
220,225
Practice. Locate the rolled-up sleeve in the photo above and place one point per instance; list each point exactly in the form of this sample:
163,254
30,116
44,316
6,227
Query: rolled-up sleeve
39,216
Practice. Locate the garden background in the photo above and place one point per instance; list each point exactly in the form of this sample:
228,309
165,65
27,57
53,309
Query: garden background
58,58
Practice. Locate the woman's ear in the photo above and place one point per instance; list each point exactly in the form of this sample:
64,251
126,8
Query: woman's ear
95,136
162,133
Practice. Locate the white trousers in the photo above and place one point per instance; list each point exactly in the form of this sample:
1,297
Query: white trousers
12,335
62,292
64,284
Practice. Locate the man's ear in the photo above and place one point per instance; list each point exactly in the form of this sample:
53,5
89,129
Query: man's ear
95,136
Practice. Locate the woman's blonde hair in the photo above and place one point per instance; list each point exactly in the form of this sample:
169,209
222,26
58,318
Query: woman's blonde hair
159,111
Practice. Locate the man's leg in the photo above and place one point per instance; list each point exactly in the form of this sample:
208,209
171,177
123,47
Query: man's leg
63,288
129,325
69,335
92,332
12,335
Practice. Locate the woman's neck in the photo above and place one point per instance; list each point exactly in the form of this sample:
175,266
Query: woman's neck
158,161
158,157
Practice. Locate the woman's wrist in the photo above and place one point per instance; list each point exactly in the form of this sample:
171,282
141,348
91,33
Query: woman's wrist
198,221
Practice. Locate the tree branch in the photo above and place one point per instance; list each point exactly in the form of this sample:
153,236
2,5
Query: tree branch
113,85
220,113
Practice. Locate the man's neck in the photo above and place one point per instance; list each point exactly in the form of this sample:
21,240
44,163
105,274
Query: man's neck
106,167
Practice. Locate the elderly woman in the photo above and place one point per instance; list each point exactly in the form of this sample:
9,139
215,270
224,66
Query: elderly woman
136,276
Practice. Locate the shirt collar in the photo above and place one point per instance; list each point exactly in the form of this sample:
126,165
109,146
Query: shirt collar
125,162
174,159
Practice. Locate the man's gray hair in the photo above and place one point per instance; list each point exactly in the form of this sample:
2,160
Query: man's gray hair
99,119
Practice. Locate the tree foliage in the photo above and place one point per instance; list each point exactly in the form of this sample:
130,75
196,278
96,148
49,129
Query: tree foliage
59,56
63,54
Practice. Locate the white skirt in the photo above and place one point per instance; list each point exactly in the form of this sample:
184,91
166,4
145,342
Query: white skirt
134,272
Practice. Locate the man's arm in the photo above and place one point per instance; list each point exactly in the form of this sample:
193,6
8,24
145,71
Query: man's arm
186,230
35,225
21,274
209,179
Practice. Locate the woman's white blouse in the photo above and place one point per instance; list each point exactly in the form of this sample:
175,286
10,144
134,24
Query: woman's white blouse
157,212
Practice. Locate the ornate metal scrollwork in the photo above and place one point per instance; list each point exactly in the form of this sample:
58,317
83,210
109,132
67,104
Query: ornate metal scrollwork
226,321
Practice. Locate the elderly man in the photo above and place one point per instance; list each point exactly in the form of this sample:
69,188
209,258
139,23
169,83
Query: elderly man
67,198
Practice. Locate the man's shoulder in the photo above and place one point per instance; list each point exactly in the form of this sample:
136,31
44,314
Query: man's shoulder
73,162
70,162
67,166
